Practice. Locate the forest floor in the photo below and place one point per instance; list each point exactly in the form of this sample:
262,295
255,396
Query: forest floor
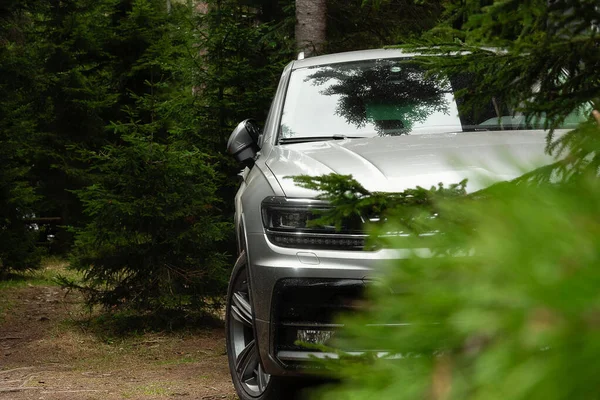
51,347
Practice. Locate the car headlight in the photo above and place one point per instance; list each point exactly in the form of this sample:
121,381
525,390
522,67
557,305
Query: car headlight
287,224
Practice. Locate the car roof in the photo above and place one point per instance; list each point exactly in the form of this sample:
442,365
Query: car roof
351,56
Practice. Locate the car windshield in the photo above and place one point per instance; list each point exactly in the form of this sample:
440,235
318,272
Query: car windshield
388,97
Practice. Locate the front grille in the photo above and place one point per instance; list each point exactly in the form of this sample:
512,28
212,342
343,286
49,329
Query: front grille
311,306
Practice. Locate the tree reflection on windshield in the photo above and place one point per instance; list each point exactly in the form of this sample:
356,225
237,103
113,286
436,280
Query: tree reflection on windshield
392,95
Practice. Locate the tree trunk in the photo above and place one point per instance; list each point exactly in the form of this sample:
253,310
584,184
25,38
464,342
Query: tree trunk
311,22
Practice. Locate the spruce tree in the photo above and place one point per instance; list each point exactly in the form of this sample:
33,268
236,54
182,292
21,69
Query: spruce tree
154,219
243,48
367,24
19,63
70,104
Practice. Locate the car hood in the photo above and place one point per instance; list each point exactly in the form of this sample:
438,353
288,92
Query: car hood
393,164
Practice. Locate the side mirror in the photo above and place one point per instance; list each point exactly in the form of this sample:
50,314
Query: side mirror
243,142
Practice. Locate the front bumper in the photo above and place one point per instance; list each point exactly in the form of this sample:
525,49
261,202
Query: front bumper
278,275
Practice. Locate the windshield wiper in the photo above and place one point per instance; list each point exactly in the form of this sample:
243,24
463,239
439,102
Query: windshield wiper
477,128
305,139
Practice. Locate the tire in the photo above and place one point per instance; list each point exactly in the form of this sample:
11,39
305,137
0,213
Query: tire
249,379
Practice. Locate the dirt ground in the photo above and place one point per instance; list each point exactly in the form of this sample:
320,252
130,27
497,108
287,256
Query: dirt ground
46,354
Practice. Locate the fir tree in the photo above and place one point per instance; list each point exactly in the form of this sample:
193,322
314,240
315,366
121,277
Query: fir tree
243,48
19,64
70,102
541,55
154,221
366,24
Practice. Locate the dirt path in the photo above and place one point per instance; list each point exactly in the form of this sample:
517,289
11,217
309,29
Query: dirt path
44,355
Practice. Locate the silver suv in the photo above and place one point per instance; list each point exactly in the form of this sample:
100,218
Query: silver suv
370,114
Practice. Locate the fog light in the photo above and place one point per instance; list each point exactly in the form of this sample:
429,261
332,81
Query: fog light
313,336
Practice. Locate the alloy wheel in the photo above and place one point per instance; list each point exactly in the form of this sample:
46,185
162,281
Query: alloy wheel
248,368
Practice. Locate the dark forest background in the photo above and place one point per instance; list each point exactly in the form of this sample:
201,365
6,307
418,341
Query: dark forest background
115,114
114,117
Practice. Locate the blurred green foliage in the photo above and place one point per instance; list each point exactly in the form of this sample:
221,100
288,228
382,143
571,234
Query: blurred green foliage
501,301
504,304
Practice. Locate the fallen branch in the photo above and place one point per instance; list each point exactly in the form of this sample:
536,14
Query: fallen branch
15,369
18,389
145,342
11,381
71,391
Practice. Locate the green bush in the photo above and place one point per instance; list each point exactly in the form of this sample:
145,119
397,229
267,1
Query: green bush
152,240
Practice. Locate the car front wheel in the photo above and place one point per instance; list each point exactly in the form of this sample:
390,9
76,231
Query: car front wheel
249,378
